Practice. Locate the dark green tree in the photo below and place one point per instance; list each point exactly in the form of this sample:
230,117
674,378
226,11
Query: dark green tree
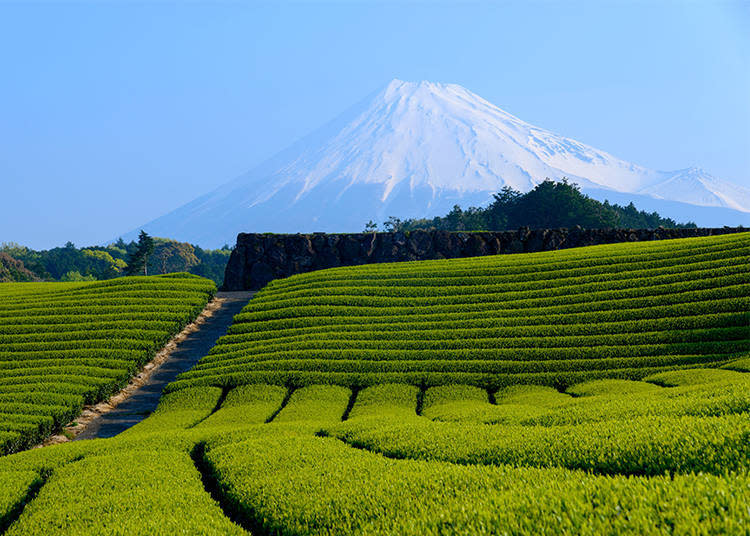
138,260
550,204
499,211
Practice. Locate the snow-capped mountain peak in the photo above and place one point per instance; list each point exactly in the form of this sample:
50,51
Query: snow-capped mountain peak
415,150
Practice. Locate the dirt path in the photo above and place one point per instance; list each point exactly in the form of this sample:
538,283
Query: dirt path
141,397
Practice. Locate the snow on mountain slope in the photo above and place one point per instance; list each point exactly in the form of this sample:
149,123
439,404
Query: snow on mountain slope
695,186
415,150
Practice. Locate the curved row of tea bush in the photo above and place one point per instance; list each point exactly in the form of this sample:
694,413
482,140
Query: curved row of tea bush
258,450
315,486
63,345
610,426
555,318
416,399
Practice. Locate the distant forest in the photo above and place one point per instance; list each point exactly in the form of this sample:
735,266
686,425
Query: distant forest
549,205
70,263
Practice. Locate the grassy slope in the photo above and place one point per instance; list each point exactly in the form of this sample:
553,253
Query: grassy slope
665,453
555,318
63,345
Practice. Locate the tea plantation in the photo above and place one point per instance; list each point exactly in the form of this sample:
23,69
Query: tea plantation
63,345
558,318
601,390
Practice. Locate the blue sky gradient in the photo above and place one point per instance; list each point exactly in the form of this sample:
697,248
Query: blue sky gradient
114,113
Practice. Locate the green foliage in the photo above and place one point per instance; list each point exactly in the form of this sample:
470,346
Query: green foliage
212,263
180,410
170,256
66,344
76,276
408,474
742,365
248,404
98,263
118,494
308,485
445,394
641,446
394,399
556,318
550,204
701,427
694,377
138,259
93,262
109,267
13,270
15,487
619,387
315,403
556,393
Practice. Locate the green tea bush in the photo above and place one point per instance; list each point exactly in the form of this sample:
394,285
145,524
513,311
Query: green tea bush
118,494
324,403
308,485
394,399
600,390
640,446
15,486
247,404
179,410
63,345
557,318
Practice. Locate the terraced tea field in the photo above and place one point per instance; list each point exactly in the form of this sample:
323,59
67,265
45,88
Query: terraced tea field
63,345
603,390
558,318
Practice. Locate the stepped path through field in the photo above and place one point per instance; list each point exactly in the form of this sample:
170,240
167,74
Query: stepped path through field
144,400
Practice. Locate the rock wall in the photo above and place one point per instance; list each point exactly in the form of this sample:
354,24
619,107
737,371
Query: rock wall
260,258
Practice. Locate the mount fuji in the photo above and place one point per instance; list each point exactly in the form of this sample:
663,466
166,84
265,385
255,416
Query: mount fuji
417,149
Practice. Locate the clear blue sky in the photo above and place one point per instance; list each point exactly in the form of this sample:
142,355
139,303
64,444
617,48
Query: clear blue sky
113,113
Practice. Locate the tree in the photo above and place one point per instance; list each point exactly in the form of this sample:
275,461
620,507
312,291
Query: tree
455,219
76,276
503,204
212,263
102,265
371,227
138,260
13,270
548,205
392,224
170,256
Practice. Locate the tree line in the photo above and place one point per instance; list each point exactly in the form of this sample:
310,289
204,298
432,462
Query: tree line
549,205
147,255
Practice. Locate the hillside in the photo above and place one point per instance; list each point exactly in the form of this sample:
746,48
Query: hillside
597,390
63,345
414,150
554,318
